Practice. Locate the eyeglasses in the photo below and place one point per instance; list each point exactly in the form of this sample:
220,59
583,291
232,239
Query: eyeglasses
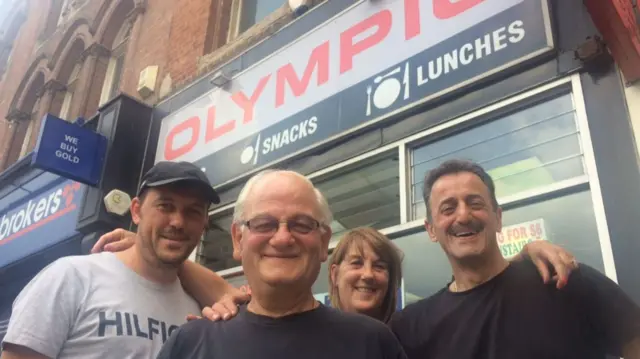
270,225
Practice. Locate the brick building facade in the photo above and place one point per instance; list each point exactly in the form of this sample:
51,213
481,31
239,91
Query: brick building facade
67,57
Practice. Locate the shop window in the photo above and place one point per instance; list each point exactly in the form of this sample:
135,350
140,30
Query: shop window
113,77
524,150
216,248
246,13
364,195
568,221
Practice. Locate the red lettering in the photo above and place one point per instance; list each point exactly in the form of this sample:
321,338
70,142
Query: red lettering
214,132
348,49
286,74
411,19
248,104
192,123
446,9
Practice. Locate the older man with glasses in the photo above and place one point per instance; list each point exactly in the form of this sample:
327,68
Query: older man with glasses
281,235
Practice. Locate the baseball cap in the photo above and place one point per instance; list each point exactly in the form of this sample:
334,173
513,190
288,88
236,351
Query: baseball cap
165,172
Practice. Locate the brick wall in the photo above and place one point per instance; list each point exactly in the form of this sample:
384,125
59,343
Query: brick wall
184,38
20,59
149,46
188,35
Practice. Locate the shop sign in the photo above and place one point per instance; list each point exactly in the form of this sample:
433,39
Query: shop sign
513,238
40,221
366,64
70,151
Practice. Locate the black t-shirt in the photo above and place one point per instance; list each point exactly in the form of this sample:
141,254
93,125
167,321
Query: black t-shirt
320,333
515,315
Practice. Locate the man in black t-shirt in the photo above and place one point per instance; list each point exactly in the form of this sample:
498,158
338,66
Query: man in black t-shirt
281,234
494,309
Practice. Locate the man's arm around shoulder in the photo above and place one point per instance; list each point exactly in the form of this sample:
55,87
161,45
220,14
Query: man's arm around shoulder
44,312
613,315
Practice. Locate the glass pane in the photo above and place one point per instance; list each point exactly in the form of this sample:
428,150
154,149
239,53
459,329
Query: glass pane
321,286
253,11
512,180
368,195
117,74
237,281
534,147
568,221
216,252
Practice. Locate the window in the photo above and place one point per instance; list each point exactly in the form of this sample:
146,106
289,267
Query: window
568,220
27,138
53,18
29,129
111,84
68,95
216,248
68,9
367,194
529,148
537,149
247,13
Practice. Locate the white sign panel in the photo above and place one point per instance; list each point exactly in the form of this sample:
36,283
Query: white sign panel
308,91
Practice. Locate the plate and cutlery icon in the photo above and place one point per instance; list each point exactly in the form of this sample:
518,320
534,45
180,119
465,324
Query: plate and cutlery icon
388,88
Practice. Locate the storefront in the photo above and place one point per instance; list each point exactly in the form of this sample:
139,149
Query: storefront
52,201
365,97
38,215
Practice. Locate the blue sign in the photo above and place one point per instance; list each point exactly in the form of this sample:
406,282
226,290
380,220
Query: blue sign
70,151
40,221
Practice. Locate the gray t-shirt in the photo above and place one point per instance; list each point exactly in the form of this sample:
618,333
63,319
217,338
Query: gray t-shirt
94,306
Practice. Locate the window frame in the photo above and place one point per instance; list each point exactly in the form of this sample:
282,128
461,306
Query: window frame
119,51
33,117
65,109
235,20
570,84
24,149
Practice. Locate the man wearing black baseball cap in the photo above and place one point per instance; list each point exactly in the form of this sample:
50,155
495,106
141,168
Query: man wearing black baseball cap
124,304
168,173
